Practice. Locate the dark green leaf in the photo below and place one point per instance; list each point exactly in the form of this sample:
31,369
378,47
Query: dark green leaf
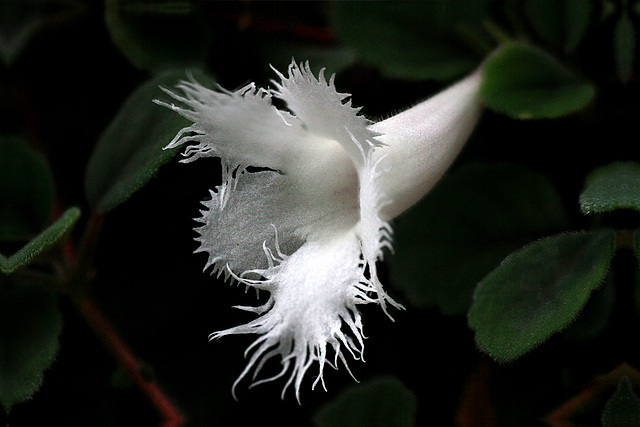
411,40
381,402
26,190
156,36
41,243
538,291
560,22
595,315
30,324
129,152
611,187
469,223
624,39
527,83
623,409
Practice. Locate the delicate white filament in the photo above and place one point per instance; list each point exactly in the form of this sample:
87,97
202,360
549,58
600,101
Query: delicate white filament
310,225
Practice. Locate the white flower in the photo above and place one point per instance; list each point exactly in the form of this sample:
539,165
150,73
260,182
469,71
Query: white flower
308,221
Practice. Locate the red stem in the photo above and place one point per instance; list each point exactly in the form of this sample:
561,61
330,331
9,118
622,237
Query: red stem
82,274
128,361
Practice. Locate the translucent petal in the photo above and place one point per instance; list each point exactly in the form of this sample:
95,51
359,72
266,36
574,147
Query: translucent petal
324,111
314,294
423,141
375,233
240,127
239,219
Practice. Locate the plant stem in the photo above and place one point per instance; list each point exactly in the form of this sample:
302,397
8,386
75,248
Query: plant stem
128,361
81,277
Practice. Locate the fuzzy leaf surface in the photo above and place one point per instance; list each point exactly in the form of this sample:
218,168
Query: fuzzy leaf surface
471,221
560,22
624,43
156,36
26,190
44,241
611,187
30,324
129,152
527,83
623,408
411,40
537,291
380,402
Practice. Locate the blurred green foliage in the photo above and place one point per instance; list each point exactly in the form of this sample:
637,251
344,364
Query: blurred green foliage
76,88
611,187
537,291
470,222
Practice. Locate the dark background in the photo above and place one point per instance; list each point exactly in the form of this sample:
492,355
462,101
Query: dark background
70,81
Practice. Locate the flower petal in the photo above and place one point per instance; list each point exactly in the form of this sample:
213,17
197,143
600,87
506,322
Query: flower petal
314,294
241,127
324,111
239,219
374,232
423,141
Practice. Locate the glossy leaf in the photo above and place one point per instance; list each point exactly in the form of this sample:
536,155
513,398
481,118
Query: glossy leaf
30,324
26,190
611,187
537,291
561,23
156,36
44,241
527,83
623,408
380,402
129,152
469,223
411,40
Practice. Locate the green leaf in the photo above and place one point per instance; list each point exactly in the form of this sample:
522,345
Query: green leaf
41,243
595,315
130,151
560,22
26,190
411,40
30,324
471,221
624,43
612,187
527,83
623,408
156,36
380,402
538,291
